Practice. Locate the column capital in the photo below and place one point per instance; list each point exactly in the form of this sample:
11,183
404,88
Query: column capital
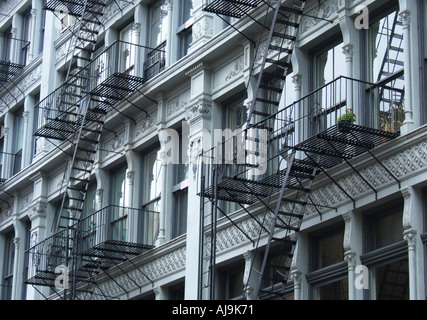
411,237
405,18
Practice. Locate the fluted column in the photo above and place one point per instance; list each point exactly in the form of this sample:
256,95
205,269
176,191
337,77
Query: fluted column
408,124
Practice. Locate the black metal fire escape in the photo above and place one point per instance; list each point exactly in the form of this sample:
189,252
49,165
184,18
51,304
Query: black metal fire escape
76,112
284,188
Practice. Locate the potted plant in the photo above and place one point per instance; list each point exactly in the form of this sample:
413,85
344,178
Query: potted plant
349,117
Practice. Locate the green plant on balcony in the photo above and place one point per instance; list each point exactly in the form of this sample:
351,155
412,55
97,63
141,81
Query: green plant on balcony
348,117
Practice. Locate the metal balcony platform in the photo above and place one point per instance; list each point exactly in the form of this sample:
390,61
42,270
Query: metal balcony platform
338,143
114,250
344,141
231,8
8,70
75,8
117,86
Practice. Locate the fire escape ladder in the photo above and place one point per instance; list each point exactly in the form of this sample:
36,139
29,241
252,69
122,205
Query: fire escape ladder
284,224
276,59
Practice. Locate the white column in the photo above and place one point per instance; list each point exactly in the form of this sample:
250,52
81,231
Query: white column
412,226
411,237
18,267
408,124
169,4
32,35
296,277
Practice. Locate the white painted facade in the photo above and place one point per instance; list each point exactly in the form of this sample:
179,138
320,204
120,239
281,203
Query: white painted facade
199,87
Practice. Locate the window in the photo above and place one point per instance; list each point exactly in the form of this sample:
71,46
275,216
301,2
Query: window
9,252
385,60
184,31
127,49
118,221
385,252
25,43
180,196
328,276
18,140
2,179
231,281
329,99
158,24
42,27
7,45
156,59
88,218
152,185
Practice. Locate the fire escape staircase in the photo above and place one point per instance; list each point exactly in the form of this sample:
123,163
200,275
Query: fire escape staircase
76,112
284,192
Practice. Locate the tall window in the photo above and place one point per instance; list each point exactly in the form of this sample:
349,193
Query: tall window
127,49
1,153
151,189
119,213
385,57
329,98
25,44
18,140
88,218
328,278
385,252
9,252
158,24
180,196
231,281
7,45
185,28
156,58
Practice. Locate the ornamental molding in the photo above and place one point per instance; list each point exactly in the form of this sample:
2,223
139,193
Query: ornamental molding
408,162
163,265
178,103
146,125
324,11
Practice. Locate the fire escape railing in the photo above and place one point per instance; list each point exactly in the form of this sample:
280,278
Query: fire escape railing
99,247
64,102
274,161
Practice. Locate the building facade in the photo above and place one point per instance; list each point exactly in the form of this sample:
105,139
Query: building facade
107,110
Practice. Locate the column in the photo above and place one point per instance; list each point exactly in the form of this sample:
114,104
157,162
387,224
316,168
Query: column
411,237
352,246
32,35
19,260
412,226
161,238
249,278
408,124
296,277
198,115
168,48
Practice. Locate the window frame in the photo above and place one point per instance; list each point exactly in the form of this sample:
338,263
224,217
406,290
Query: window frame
319,277
373,257
7,278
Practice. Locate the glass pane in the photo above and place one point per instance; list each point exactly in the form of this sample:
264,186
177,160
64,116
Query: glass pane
154,184
19,131
331,250
392,281
158,24
187,10
119,214
333,291
388,230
